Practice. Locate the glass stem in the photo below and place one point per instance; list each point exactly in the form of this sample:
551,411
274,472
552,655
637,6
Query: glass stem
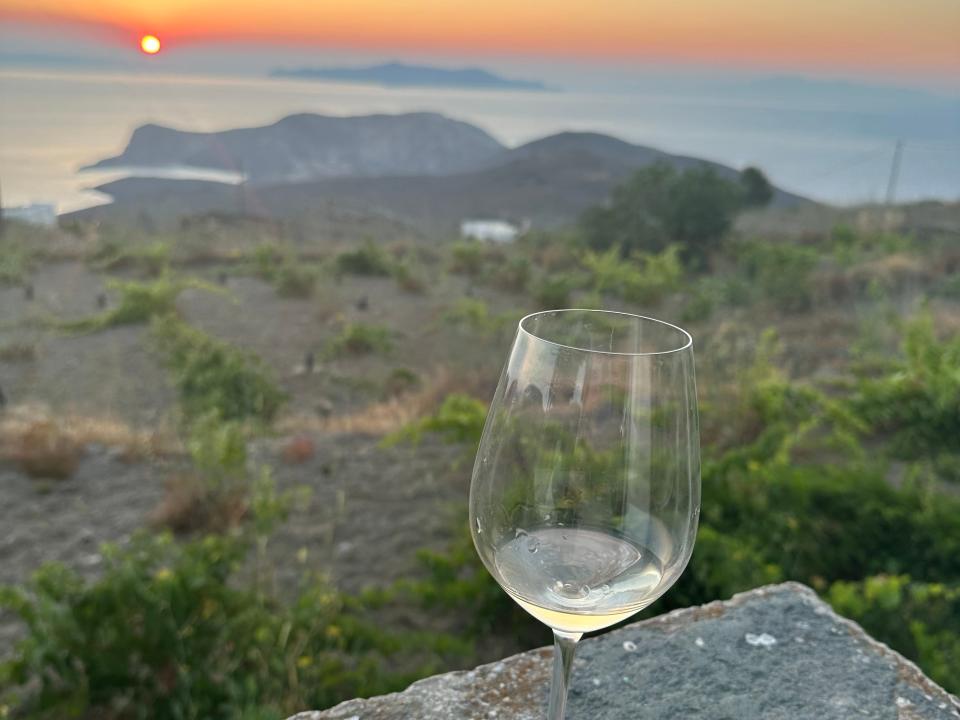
564,645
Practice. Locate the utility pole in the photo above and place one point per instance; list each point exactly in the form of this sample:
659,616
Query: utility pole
894,173
244,209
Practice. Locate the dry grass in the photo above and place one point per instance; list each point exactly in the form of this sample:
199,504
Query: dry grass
894,272
44,451
385,417
18,352
45,444
189,506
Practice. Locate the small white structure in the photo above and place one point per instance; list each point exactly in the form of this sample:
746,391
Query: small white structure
35,213
497,231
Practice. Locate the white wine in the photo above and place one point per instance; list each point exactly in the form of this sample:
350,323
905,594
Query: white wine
578,579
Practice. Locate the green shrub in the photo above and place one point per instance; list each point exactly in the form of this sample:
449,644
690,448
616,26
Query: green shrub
735,291
512,276
765,520
756,188
409,278
295,281
400,380
917,402
660,206
466,258
473,315
212,377
213,495
781,272
266,259
279,267
168,631
368,259
150,260
16,262
699,305
643,278
139,302
459,419
553,292
360,339
657,274
458,583
920,620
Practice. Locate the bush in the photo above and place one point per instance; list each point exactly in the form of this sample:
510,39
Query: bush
553,293
459,419
699,305
917,402
766,520
473,315
47,452
660,206
781,272
657,274
213,377
213,495
278,266
150,260
757,190
17,255
401,380
139,302
644,278
360,339
920,620
266,259
466,258
512,276
409,279
368,259
295,281
168,631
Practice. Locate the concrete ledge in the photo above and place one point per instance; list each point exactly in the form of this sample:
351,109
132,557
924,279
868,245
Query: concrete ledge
774,653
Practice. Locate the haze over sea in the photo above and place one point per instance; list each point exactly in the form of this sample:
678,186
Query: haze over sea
829,140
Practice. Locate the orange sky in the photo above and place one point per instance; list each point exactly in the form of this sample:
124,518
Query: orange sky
899,36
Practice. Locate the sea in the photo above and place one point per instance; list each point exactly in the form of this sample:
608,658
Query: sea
827,144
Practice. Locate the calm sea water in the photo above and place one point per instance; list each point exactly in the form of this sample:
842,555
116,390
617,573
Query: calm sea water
833,148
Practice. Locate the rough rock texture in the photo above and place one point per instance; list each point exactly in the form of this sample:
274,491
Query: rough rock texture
776,653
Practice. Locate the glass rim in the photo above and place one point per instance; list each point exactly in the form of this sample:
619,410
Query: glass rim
645,318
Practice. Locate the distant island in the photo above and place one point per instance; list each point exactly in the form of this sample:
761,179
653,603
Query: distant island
401,75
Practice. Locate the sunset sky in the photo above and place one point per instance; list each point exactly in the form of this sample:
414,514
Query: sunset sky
887,38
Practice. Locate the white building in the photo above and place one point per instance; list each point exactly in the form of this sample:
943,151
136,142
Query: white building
497,231
34,213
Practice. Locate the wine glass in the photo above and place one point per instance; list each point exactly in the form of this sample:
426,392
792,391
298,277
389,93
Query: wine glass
586,487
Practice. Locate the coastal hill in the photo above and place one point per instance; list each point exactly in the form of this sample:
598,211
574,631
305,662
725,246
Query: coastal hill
395,74
307,146
549,181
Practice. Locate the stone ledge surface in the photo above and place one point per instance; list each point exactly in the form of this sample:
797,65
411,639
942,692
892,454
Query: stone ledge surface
774,653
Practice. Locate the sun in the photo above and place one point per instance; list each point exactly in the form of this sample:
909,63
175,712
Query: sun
150,44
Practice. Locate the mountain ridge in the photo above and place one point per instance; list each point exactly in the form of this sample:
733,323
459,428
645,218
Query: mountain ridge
307,146
549,181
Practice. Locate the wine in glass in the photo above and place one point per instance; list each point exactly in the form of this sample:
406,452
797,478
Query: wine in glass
586,487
